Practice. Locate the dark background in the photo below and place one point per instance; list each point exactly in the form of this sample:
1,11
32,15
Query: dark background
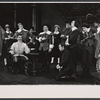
46,13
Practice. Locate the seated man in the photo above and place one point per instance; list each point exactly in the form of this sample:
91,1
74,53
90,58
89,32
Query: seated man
17,50
66,66
33,44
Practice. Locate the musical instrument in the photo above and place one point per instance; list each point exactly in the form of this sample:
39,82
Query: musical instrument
87,38
84,40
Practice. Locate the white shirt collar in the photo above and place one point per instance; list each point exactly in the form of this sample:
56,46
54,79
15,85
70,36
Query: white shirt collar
88,29
8,31
98,30
19,30
56,32
48,32
74,28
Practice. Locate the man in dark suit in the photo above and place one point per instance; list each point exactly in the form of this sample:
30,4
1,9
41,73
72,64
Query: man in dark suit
73,40
87,40
66,66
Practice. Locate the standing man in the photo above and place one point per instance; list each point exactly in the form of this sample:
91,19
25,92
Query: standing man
72,42
24,32
45,39
87,41
65,32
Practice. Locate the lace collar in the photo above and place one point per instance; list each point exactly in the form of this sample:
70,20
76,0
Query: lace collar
74,28
56,32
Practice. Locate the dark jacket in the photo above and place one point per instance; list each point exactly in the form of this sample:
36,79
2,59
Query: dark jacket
90,40
34,45
44,44
73,37
65,32
25,35
66,60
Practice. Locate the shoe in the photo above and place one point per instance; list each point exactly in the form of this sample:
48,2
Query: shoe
73,77
65,77
52,63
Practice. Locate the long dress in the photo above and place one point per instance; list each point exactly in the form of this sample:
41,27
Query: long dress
57,40
6,43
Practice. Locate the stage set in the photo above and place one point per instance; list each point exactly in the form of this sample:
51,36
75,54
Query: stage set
39,17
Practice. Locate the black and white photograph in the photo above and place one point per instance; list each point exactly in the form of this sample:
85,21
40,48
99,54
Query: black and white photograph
49,43
49,49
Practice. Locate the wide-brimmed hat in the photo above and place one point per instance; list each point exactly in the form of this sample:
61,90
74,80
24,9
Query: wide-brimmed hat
92,18
57,26
89,16
85,25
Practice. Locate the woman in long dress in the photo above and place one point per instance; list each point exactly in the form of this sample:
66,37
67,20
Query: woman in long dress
6,43
57,40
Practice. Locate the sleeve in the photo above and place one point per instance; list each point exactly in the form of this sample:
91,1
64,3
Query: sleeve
11,34
73,37
59,38
28,35
3,32
15,35
12,48
50,38
63,32
64,58
27,50
37,45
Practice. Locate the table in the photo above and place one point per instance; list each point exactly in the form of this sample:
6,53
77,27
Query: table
33,58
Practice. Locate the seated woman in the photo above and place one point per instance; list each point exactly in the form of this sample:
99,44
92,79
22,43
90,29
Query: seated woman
55,51
17,50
